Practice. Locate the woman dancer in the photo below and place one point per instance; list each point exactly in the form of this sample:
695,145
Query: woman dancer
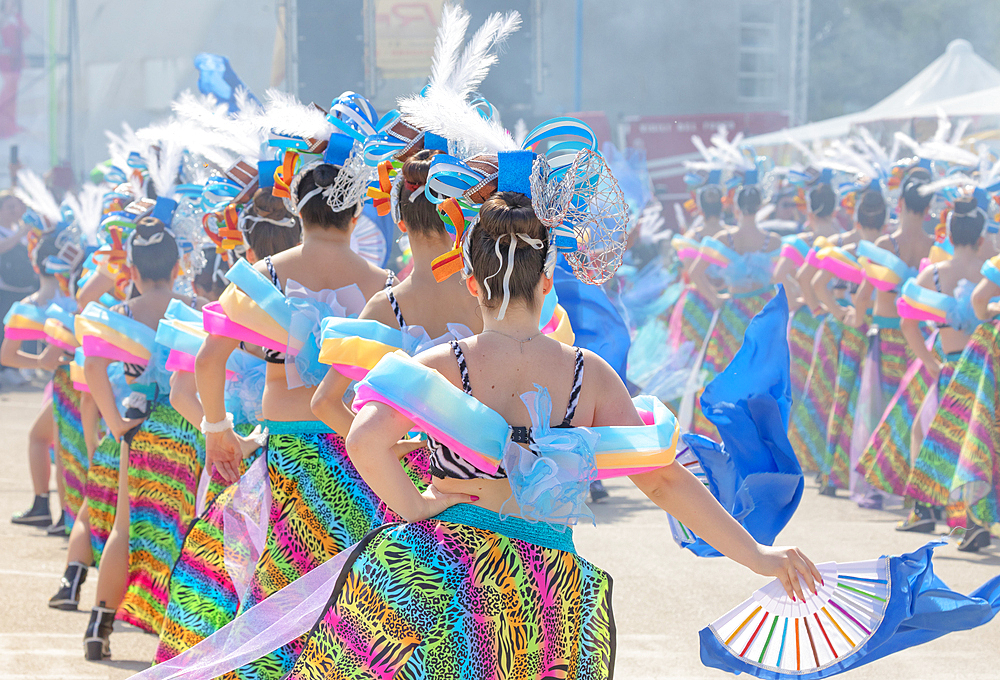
742,257
491,554
319,503
933,449
160,453
203,594
25,321
894,258
808,422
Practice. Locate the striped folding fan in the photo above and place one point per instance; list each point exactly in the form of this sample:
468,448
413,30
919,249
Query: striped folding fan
772,632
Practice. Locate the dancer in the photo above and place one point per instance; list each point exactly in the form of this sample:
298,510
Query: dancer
204,594
742,257
833,286
892,260
26,321
923,465
160,451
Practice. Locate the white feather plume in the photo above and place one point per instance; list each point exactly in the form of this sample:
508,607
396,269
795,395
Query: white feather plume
163,162
481,52
88,209
288,116
450,37
33,193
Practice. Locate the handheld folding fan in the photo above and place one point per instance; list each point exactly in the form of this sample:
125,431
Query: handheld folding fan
771,632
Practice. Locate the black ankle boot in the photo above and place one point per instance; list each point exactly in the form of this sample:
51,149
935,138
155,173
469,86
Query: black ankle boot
59,528
920,521
68,597
38,516
597,491
975,538
97,639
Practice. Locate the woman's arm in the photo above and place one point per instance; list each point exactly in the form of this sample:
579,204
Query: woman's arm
328,402
371,445
985,291
804,276
97,285
915,339
222,449
674,489
857,313
184,397
824,295
12,356
96,371
704,286
784,273
9,242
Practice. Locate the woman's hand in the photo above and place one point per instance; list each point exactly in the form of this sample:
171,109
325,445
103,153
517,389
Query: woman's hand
851,317
122,426
791,567
934,368
434,502
224,451
53,357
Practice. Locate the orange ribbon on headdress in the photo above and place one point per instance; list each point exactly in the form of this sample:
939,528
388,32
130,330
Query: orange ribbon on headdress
800,198
691,205
895,177
848,202
114,258
451,262
229,235
285,173
941,228
381,194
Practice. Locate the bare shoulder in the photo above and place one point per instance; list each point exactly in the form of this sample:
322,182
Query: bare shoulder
378,309
885,242
604,389
442,359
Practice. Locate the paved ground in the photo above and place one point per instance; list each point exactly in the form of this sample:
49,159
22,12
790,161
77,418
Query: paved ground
663,595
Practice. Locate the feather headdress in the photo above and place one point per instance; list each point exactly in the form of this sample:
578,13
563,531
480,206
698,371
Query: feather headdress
33,193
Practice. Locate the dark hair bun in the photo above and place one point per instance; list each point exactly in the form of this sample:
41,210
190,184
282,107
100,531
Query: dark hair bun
710,200
966,223
966,207
749,199
324,175
417,166
822,200
149,225
915,200
266,204
871,211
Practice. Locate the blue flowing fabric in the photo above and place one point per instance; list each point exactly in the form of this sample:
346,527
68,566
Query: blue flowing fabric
921,608
596,322
217,77
754,473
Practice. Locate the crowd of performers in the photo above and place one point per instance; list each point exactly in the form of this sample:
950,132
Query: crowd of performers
287,460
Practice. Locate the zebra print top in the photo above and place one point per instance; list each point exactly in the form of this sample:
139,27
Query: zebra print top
273,356
444,463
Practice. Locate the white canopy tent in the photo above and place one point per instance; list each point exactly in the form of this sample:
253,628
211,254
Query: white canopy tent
959,82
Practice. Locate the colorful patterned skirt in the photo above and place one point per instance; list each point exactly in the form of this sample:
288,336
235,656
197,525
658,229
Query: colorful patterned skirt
803,331
203,595
320,505
72,446
724,342
977,476
690,319
886,358
885,455
466,596
165,457
102,493
957,463
807,422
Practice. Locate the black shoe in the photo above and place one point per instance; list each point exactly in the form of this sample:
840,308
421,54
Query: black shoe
920,521
59,528
68,597
597,491
97,639
828,490
37,516
974,539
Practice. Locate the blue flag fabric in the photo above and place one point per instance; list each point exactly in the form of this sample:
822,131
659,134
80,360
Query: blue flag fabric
597,324
754,473
217,77
921,608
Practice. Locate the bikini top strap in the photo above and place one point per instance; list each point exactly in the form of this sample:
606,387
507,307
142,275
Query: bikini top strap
126,310
574,394
463,368
937,278
393,303
895,245
274,274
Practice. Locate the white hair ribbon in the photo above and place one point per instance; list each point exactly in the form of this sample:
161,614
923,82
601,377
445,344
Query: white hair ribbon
535,243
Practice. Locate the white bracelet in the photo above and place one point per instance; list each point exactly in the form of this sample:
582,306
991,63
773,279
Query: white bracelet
215,428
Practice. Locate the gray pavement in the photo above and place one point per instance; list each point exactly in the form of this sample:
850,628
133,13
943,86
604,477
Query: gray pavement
662,596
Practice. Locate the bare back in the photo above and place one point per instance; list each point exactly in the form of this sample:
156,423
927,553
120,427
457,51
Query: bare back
427,304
